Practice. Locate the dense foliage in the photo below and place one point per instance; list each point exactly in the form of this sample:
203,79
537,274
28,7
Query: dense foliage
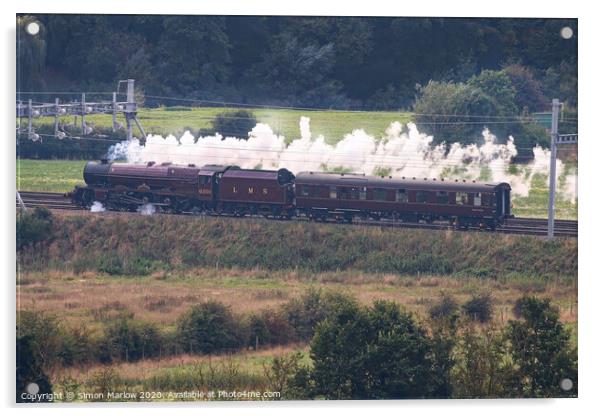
33,227
378,351
369,62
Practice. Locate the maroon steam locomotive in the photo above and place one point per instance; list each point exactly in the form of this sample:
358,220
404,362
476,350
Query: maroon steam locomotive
231,190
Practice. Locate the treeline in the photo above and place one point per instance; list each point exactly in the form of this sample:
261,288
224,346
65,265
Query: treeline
356,352
367,62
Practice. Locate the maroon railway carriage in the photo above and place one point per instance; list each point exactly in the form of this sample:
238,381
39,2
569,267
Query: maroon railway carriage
344,196
254,191
173,188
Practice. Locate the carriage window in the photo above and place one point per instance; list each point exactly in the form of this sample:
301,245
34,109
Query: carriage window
380,194
234,190
343,193
363,192
333,192
354,193
461,198
251,190
265,191
422,197
206,180
401,195
442,197
305,190
477,199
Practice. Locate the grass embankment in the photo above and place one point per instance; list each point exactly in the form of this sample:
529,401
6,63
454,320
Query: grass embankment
134,245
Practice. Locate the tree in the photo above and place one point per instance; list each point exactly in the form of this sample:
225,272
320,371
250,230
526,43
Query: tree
540,348
305,313
210,327
31,55
30,369
482,369
529,94
129,340
234,123
192,55
294,72
372,353
448,110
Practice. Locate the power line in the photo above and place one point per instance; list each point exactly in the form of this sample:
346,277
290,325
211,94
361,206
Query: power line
67,93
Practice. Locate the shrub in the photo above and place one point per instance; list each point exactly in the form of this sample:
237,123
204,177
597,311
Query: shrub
259,333
306,312
289,376
77,346
279,328
44,336
105,381
33,227
130,340
234,123
110,264
540,347
445,307
479,308
210,327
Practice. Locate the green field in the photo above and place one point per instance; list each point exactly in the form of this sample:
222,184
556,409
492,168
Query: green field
49,175
332,124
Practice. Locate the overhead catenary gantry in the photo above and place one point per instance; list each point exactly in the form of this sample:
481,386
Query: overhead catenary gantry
83,108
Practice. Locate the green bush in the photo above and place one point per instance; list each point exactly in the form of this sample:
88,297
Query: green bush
210,327
445,307
259,334
289,376
279,328
45,336
234,123
306,312
130,340
33,227
110,263
479,307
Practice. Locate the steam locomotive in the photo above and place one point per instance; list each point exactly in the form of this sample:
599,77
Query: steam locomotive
230,190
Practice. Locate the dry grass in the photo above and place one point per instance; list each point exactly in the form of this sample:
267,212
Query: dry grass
140,370
97,299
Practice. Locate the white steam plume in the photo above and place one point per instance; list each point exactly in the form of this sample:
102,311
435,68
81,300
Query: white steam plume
146,209
401,152
97,207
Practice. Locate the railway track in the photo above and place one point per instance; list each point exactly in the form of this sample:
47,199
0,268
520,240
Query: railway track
50,200
523,226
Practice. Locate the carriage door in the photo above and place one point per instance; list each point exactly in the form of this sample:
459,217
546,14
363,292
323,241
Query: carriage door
500,206
506,193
